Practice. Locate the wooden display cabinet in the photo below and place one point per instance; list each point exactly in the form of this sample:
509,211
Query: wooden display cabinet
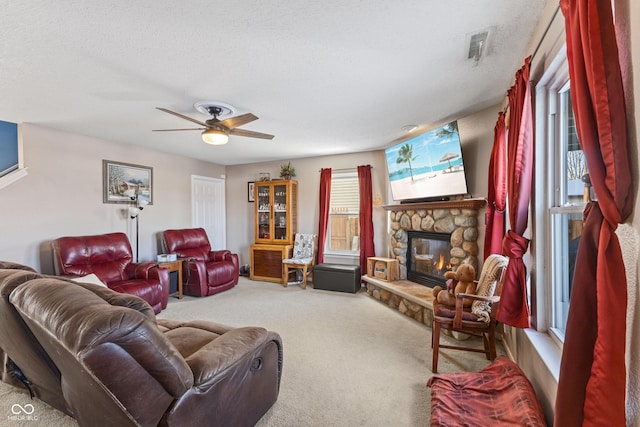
276,224
266,261
276,212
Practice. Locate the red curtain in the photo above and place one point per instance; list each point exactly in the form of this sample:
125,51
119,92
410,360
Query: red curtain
497,194
513,309
591,388
325,199
367,247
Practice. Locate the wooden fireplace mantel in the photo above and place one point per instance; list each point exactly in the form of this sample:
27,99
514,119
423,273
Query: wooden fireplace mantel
449,204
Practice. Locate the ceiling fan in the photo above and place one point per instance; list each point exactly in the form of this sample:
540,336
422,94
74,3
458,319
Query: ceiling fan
216,131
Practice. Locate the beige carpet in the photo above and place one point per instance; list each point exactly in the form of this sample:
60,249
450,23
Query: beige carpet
349,360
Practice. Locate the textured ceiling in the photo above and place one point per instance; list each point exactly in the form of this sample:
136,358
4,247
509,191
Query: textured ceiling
324,77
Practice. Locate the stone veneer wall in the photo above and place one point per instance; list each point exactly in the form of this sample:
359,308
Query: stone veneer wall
461,223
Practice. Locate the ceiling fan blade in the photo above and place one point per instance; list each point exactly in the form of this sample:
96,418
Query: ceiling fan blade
234,122
182,116
170,130
250,133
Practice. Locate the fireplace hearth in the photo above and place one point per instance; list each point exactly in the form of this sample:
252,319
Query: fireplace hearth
428,257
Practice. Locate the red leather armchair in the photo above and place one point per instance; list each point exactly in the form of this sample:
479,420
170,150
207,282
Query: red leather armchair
109,256
205,272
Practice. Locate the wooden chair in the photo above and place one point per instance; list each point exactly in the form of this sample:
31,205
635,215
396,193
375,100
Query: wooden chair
304,258
480,319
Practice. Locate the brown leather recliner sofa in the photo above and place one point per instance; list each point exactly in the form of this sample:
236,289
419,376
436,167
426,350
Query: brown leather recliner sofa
109,256
204,271
25,363
115,364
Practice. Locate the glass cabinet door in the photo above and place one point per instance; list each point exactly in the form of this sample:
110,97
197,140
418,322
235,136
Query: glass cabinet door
276,211
280,212
264,211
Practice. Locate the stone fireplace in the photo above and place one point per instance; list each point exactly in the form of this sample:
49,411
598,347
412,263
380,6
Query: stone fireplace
429,223
454,223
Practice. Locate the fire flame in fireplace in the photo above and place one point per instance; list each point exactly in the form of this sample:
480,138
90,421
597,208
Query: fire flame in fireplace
440,264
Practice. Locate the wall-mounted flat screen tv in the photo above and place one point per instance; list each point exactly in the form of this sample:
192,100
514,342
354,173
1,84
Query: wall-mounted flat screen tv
428,166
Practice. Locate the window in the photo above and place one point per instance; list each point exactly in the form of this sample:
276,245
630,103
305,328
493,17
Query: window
343,234
566,214
10,154
8,148
563,175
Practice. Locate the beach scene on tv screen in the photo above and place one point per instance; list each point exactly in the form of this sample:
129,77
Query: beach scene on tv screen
428,165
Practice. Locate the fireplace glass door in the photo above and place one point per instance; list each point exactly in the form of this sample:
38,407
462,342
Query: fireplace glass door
428,257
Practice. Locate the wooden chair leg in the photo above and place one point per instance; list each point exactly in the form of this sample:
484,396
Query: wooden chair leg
492,344
435,338
485,343
304,277
285,275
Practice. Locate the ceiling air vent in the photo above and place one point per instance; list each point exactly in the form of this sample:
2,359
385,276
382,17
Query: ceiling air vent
477,45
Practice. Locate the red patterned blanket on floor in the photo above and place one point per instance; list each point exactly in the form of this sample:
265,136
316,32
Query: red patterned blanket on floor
499,395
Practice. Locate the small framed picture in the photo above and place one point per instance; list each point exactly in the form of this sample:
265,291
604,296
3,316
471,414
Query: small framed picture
250,189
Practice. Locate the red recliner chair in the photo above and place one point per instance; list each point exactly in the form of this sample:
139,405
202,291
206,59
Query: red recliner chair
204,272
109,256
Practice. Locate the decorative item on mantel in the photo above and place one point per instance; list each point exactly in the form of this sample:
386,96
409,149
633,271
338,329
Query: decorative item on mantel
287,171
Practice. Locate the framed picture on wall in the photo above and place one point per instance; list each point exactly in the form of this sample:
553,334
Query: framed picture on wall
250,189
121,181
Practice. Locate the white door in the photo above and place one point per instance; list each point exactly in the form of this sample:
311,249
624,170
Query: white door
208,208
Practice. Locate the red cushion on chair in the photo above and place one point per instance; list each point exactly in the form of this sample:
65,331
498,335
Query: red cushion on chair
444,311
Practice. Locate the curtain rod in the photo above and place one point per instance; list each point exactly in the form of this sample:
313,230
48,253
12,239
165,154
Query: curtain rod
546,30
343,169
553,18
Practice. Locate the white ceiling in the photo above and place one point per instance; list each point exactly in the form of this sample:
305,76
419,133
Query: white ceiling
323,76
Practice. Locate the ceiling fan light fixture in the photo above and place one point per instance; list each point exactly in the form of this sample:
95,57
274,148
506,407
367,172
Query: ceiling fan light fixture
215,137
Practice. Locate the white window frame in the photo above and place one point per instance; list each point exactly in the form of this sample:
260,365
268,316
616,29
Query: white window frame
333,252
549,188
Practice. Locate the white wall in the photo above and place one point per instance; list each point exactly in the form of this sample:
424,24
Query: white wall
62,195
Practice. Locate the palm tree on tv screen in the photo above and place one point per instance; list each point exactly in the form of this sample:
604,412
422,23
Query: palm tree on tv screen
405,155
448,130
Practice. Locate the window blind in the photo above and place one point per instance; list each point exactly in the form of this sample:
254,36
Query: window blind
345,194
